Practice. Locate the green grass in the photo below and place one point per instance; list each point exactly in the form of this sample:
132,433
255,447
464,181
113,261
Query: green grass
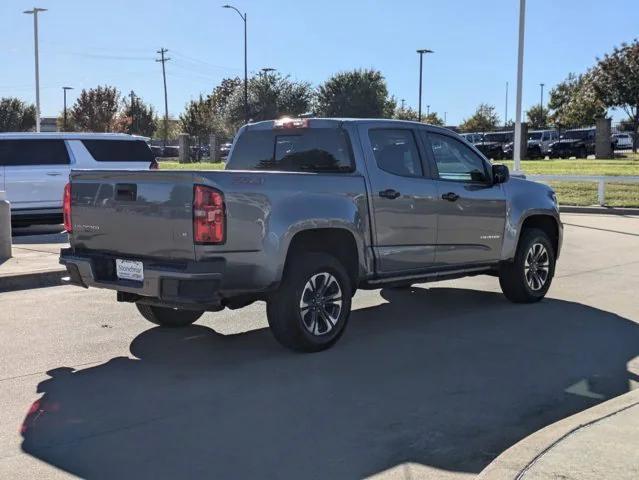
569,193
173,164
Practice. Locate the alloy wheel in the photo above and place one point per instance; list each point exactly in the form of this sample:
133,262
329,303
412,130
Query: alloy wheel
321,303
537,267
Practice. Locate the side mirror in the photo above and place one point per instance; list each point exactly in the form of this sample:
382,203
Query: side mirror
500,174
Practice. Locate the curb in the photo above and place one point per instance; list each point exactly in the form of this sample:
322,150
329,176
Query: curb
513,463
32,280
599,210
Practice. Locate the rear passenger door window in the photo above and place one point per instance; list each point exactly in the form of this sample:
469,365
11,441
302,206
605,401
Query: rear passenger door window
33,152
456,161
395,151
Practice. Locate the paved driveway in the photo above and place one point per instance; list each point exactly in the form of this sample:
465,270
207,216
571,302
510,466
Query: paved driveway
433,382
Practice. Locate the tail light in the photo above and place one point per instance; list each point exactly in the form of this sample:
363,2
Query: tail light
154,165
66,208
209,218
288,123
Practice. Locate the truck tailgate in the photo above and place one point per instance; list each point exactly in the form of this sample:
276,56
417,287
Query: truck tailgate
133,213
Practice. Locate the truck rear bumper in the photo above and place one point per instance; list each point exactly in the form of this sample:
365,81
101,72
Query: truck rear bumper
171,282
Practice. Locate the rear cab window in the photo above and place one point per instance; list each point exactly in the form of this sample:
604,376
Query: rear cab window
293,150
119,150
33,152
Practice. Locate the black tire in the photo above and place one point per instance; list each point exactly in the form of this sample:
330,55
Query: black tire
291,325
518,285
167,316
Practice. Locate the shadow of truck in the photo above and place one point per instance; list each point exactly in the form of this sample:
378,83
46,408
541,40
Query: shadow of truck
441,377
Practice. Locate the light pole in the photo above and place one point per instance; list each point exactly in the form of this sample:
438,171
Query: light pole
35,12
64,89
445,121
266,70
421,65
243,17
541,103
403,103
520,72
506,109
427,110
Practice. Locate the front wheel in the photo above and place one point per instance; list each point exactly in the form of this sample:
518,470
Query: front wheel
310,310
528,278
167,316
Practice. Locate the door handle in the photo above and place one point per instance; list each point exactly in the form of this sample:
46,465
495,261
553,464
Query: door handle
450,196
389,193
54,174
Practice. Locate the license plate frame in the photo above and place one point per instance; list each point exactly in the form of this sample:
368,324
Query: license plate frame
129,270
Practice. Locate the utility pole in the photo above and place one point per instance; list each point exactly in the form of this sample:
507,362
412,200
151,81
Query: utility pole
506,109
35,12
421,65
520,74
163,60
64,89
541,103
135,112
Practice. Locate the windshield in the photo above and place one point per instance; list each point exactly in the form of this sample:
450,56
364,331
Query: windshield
577,134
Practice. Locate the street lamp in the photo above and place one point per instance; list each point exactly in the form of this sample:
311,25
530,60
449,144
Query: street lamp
427,110
35,12
421,55
243,17
266,70
65,106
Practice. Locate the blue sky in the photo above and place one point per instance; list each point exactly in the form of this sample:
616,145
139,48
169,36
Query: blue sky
84,43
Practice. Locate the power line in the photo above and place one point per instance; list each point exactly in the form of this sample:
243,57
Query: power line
163,60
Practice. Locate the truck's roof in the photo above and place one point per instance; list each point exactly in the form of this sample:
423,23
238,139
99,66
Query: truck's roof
68,136
320,122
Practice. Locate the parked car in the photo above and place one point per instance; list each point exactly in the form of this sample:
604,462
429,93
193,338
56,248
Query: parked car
542,139
157,151
533,150
472,137
623,141
34,167
577,143
171,151
492,144
225,148
308,211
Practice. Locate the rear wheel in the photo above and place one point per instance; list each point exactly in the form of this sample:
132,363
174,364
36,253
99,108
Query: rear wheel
311,308
167,316
528,278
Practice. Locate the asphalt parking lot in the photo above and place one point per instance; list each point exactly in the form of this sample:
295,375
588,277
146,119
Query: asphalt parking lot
432,382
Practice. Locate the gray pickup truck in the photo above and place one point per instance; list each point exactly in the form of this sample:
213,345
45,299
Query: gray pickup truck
306,212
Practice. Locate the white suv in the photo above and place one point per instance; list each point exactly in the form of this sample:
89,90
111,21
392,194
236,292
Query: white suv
34,167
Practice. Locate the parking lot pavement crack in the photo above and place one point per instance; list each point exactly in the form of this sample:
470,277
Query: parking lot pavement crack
24,375
581,272
567,435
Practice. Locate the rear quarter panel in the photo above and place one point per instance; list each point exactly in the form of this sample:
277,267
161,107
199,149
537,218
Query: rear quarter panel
266,209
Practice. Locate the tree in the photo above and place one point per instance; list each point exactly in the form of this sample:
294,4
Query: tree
484,119
96,109
433,119
537,117
405,113
16,115
575,103
197,118
137,118
357,94
616,82
270,96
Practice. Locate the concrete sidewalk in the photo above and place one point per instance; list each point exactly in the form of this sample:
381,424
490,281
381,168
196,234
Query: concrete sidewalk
34,262
601,442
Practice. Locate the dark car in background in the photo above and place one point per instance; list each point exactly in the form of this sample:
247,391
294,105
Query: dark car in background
577,143
533,150
492,144
224,149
